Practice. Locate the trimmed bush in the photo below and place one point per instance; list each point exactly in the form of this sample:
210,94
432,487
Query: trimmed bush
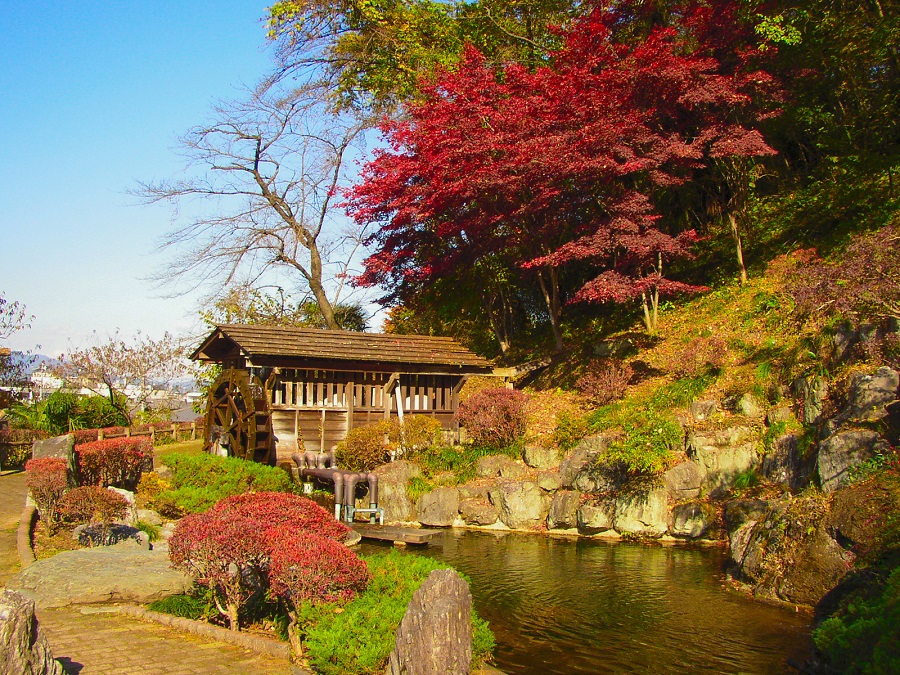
228,548
419,431
114,461
92,504
47,481
494,417
200,481
307,567
364,448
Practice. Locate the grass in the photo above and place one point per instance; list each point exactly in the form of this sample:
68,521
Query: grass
451,465
194,447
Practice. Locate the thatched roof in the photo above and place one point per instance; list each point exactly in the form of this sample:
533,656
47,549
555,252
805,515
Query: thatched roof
293,347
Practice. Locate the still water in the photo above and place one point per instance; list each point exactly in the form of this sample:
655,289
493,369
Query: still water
562,606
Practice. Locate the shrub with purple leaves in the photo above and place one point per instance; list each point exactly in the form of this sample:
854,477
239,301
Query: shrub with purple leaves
605,381
494,417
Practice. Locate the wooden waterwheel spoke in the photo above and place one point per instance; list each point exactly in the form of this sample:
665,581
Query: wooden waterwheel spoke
240,414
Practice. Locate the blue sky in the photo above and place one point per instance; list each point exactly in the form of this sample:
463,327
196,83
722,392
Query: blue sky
93,96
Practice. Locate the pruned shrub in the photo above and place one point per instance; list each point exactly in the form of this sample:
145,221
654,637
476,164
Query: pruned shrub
305,566
419,431
199,481
365,447
494,417
114,461
47,481
228,548
605,381
699,356
92,504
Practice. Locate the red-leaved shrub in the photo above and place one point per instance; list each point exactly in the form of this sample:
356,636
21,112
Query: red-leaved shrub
113,461
494,417
307,566
92,504
227,548
47,480
605,381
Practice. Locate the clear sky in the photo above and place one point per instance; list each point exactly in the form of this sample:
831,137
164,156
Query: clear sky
93,95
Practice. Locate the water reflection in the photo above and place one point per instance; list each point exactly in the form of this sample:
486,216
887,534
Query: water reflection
560,606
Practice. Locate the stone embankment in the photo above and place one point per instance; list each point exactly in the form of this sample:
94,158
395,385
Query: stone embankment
792,548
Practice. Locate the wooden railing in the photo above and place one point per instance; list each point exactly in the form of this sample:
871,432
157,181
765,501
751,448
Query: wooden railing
189,432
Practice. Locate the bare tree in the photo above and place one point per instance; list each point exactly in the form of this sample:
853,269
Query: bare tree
270,169
13,317
125,371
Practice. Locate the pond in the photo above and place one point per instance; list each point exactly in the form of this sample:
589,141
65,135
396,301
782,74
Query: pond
585,606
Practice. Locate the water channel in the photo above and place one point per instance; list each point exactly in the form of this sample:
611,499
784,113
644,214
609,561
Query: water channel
585,606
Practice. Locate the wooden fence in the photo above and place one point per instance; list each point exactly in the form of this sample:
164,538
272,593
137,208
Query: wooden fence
175,431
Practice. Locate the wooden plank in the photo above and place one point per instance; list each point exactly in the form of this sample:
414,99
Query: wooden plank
408,535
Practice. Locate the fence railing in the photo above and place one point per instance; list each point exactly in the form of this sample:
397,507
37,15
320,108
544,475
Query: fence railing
186,432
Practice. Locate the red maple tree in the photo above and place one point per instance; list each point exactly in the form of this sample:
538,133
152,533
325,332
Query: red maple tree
561,164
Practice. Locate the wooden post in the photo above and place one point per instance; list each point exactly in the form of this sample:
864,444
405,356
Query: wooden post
152,435
127,432
174,432
322,432
388,393
193,431
349,393
99,434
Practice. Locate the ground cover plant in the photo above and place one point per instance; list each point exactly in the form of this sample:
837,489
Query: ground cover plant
200,481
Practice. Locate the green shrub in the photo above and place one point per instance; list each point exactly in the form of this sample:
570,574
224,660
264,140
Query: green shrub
646,447
419,432
746,479
185,606
359,640
866,637
570,429
153,531
199,481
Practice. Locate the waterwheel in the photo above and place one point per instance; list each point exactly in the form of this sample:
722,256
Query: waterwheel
238,412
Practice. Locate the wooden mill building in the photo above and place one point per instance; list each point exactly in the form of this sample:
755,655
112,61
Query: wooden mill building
280,384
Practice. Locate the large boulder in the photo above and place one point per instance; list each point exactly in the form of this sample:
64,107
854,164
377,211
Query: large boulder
785,465
439,507
684,480
120,573
870,395
703,410
811,392
748,406
435,635
503,466
522,505
692,520
642,512
539,457
393,479
24,649
842,452
478,512
599,478
563,513
596,517
723,455
549,481
585,454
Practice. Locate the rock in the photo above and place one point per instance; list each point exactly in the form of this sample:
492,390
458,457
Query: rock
781,463
599,478
478,512
739,511
843,451
746,558
703,410
24,649
166,531
435,635
778,415
642,513
692,520
723,455
549,481
539,457
522,505
104,574
62,447
393,479
812,391
499,465
563,513
163,472
95,535
439,507
684,480
820,565
859,511
128,496
748,406
615,349
871,394
596,517
149,516
584,454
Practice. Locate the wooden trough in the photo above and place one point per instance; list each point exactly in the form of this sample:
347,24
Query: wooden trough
406,535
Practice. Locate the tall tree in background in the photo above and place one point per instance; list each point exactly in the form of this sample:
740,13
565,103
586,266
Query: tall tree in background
13,365
556,165
268,171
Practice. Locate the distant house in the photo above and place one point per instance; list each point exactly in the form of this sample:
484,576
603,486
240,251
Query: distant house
281,385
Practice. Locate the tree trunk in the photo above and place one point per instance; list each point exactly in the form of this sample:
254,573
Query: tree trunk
318,291
551,298
498,324
738,247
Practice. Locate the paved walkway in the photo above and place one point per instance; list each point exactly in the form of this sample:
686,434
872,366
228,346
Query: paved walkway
92,642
